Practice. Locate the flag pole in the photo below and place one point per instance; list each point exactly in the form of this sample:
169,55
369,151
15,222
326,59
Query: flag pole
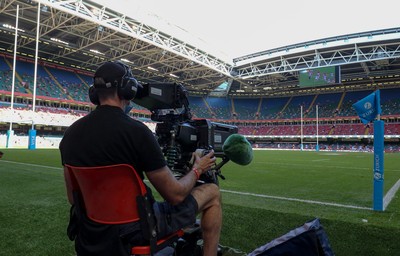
301,127
378,202
317,145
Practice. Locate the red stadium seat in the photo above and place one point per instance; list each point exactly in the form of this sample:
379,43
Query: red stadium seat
112,195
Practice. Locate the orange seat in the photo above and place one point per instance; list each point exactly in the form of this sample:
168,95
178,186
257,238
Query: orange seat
116,194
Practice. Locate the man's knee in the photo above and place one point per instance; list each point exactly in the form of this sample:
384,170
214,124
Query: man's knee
211,190
207,195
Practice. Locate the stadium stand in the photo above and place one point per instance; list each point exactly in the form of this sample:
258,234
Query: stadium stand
199,108
292,109
272,107
271,117
327,105
221,108
390,100
73,87
246,109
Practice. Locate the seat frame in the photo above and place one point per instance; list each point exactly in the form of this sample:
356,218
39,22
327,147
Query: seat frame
115,194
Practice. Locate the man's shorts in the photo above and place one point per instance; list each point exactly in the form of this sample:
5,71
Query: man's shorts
171,218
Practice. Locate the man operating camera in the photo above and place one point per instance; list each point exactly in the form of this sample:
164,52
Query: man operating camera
108,136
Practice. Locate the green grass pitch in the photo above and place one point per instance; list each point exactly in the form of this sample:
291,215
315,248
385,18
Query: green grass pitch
277,192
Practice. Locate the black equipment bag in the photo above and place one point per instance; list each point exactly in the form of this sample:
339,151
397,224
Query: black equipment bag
309,239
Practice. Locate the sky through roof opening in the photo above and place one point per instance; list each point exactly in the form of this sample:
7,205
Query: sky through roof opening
229,29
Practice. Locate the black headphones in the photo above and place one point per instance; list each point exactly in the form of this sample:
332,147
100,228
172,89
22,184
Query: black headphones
126,88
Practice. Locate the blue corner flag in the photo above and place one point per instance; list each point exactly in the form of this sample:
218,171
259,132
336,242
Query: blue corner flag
369,107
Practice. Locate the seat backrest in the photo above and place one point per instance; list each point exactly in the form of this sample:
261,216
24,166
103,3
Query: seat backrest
70,183
108,192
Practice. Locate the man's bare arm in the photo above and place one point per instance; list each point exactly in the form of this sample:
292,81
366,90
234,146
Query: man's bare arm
175,191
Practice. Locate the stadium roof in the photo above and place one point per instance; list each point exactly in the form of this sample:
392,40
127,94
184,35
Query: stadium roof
83,34
229,29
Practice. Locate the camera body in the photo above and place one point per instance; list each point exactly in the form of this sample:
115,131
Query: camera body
179,140
177,133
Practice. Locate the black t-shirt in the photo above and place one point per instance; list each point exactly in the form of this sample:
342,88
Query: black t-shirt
108,136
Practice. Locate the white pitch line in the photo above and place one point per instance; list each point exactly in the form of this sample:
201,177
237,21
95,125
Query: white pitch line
297,200
36,165
320,160
390,194
317,166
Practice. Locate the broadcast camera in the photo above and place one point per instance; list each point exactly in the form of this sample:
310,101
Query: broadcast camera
178,134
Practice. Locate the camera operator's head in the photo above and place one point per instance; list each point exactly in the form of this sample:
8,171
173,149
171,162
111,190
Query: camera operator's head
113,81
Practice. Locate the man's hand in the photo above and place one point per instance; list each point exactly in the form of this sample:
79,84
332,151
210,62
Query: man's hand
205,162
175,191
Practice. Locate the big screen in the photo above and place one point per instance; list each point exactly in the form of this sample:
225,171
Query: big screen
319,76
